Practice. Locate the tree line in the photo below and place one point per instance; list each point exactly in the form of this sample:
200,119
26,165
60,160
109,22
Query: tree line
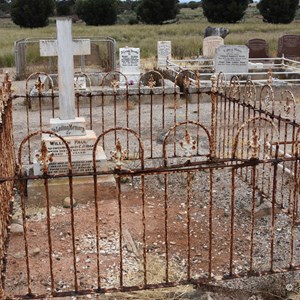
36,13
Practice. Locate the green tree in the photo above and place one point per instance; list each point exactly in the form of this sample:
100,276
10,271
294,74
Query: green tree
64,7
97,12
4,6
278,11
31,13
157,11
224,11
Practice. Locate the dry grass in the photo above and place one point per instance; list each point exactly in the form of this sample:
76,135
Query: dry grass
186,35
156,274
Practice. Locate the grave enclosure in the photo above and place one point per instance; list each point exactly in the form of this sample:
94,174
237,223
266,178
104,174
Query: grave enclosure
162,152
205,183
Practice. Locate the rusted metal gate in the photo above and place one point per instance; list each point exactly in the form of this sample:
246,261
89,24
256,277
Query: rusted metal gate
205,187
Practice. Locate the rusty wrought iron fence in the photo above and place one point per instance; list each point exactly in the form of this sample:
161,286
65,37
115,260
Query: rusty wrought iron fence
7,169
203,185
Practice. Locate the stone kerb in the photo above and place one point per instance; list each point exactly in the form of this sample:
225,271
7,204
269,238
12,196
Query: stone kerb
210,44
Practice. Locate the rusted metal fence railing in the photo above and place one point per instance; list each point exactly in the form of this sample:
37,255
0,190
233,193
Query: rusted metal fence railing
7,169
198,184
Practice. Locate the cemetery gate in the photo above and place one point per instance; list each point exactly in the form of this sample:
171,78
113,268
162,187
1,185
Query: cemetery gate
197,186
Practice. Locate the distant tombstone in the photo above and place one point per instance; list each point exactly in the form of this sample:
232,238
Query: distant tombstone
289,46
164,50
258,48
80,82
210,44
216,31
130,64
232,59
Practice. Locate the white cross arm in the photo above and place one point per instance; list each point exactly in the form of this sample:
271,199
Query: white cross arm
50,48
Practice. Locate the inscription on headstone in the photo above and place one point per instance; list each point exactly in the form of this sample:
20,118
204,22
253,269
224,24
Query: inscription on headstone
210,44
164,50
130,63
289,46
82,152
232,59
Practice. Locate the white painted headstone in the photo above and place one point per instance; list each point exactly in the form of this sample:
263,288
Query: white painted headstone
210,44
65,48
81,141
130,64
232,59
72,128
80,82
164,50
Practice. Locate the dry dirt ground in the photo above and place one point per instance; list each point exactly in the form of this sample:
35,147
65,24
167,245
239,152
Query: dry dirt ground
186,224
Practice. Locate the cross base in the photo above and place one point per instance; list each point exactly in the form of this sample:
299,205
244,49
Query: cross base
71,127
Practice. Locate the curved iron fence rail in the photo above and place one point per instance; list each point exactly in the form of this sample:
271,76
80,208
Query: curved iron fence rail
190,171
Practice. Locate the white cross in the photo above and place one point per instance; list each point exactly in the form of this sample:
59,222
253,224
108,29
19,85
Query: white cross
65,48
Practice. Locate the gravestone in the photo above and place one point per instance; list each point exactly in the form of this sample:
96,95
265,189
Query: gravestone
61,48
232,59
216,31
258,48
130,64
210,44
164,50
73,129
80,82
289,46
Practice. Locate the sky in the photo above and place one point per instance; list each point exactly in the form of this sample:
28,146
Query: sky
185,1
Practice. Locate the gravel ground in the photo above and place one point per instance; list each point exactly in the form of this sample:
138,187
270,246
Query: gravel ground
281,286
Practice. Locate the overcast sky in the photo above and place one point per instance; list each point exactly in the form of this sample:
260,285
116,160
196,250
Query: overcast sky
185,1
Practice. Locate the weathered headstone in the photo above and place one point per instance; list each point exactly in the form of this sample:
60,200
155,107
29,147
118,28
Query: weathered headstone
130,64
232,59
67,123
210,44
289,46
70,127
164,52
216,31
258,48
80,82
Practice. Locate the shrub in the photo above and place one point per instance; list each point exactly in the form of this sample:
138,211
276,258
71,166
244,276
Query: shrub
133,21
64,8
224,11
278,11
157,11
31,13
97,12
